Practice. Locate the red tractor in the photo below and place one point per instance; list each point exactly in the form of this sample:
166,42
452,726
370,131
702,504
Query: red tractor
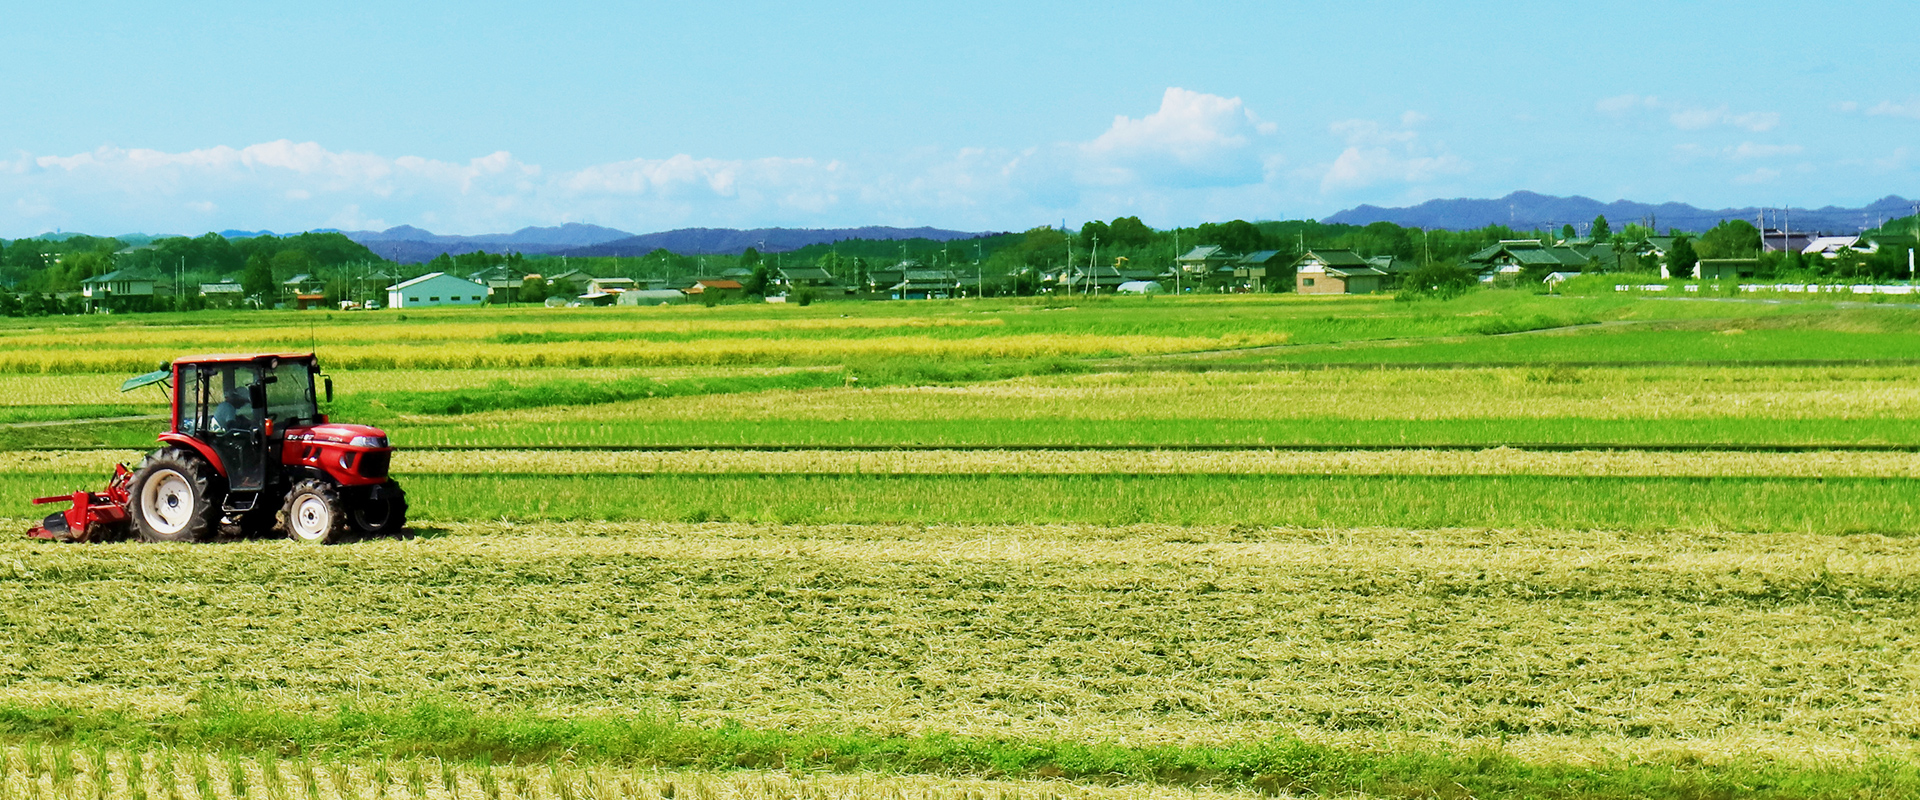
248,452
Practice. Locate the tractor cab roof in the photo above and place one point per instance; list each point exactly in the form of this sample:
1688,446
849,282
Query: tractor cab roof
230,358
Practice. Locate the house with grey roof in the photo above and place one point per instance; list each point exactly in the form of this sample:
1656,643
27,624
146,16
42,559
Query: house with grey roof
1204,261
1332,271
804,277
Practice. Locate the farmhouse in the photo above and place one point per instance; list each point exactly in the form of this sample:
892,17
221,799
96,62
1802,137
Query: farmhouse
118,283
1203,261
227,293
1336,272
501,281
926,284
1830,246
435,289
718,287
804,277
1253,269
1509,257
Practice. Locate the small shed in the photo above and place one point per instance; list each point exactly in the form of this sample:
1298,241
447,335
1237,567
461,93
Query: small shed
1716,269
435,289
653,297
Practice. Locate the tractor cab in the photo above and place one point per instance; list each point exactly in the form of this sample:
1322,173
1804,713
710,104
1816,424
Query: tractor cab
240,408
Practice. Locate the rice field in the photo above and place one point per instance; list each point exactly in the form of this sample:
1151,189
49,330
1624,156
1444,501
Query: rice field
757,580
47,772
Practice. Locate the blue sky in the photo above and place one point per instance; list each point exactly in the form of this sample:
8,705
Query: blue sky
475,117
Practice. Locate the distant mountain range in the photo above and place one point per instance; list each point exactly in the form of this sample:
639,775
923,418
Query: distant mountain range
1528,210
728,241
411,245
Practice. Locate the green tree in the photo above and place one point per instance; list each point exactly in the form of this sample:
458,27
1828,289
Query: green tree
760,281
257,279
533,289
1681,258
1440,279
1734,238
1130,232
1601,230
1237,236
1567,232
749,258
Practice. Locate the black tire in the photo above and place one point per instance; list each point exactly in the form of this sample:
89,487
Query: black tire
313,513
175,497
383,517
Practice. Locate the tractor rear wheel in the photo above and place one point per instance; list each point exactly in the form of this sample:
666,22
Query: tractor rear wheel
312,514
175,497
386,516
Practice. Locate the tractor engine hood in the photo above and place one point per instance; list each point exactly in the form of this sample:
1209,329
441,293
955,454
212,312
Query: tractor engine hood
341,434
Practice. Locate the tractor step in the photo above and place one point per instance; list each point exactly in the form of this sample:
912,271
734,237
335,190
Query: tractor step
240,502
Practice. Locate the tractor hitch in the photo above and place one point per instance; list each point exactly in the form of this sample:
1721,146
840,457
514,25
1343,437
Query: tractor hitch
94,515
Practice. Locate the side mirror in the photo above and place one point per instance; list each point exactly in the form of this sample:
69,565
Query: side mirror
329,385
258,394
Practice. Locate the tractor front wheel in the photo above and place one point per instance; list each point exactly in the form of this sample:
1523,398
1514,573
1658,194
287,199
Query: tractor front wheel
312,514
175,497
382,512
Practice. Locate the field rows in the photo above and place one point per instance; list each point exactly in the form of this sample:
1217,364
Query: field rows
50,772
1556,644
1498,461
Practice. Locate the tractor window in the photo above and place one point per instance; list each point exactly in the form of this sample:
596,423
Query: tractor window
290,399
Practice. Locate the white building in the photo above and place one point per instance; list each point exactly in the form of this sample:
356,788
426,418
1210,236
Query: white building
435,289
1830,246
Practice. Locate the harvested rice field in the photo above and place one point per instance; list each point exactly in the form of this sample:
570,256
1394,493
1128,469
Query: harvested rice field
1500,546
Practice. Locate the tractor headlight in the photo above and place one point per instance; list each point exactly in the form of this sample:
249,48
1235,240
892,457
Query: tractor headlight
368,441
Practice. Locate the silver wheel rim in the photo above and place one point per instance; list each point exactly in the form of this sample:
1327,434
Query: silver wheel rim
311,517
166,501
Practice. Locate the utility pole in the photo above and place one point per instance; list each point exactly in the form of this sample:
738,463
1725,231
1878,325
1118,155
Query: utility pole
979,272
1093,285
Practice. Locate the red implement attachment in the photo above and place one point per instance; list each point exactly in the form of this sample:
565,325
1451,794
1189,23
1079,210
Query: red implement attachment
94,515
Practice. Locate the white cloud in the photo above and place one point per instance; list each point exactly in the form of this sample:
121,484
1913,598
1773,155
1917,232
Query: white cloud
1197,156
1195,139
1693,119
1888,108
1688,118
1744,151
1621,104
1376,155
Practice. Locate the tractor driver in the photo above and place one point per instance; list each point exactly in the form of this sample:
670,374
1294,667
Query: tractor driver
229,415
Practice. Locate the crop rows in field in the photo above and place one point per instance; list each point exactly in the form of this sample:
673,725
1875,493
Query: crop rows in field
1554,643
1103,461
39,771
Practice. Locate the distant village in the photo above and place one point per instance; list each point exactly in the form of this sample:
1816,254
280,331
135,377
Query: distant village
1376,258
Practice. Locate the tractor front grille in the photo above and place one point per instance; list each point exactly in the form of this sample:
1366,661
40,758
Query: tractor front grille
374,465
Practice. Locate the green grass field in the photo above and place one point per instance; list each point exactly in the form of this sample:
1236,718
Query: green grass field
1307,564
